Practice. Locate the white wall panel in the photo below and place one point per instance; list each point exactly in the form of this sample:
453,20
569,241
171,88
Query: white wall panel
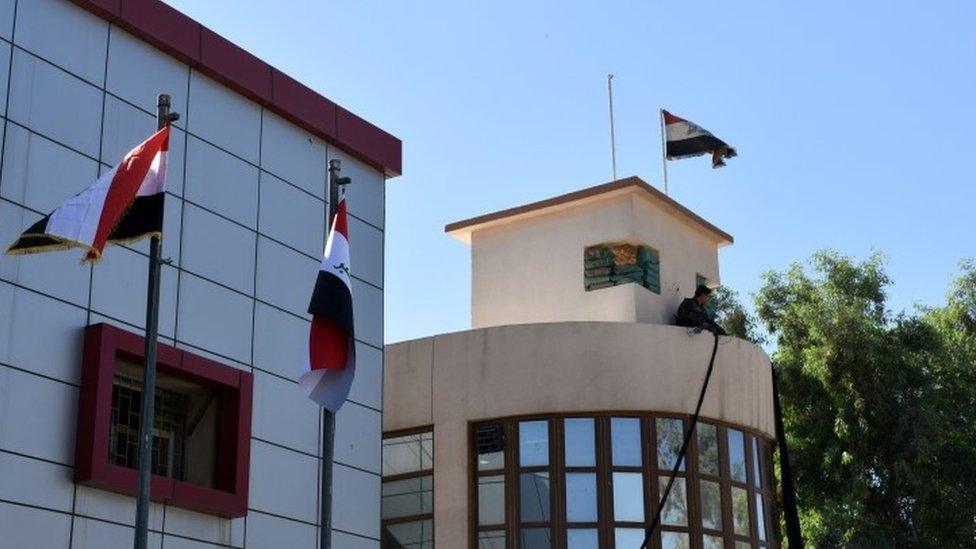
224,117
59,274
7,19
280,341
28,318
267,532
91,502
47,431
367,386
285,277
35,482
38,93
204,527
356,501
119,285
4,73
173,542
291,216
221,182
357,437
125,127
40,173
366,251
158,73
27,527
368,311
293,154
367,192
284,483
349,541
218,249
214,318
284,415
64,34
96,534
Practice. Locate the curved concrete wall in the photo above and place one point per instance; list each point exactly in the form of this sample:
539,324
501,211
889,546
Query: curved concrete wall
450,380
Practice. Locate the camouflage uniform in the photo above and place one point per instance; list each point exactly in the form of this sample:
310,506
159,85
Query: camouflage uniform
692,315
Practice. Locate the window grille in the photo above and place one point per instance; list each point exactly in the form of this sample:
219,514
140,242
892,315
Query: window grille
169,428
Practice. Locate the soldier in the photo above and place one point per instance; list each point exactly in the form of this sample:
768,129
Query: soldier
692,313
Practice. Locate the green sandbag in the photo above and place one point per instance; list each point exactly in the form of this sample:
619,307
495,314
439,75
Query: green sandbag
597,252
598,286
597,271
623,279
596,279
602,262
628,270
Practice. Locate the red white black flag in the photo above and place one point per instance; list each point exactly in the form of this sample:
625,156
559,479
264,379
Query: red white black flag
124,205
686,139
331,342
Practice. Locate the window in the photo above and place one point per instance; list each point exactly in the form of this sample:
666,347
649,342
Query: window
607,265
408,490
201,431
594,481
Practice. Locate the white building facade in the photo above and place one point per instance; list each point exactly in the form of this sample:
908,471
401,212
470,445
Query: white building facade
244,231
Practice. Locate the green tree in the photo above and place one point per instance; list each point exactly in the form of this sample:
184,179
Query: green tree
879,408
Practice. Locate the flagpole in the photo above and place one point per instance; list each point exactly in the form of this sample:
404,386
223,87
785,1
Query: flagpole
147,418
613,140
328,418
664,151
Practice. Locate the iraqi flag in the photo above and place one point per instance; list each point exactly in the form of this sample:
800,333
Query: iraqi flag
331,342
124,205
686,139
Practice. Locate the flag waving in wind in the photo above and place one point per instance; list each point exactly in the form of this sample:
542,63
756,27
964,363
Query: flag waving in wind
331,346
685,138
124,205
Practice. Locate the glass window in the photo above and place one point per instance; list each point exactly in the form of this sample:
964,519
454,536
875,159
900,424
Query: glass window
670,434
674,540
675,511
491,540
580,442
491,461
625,538
740,511
491,500
419,534
628,497
408,497
760,517
711,505
581,497
712,542
536,538
408,454
742,545
534,497
737,455
625,441
756,477
582,538
533,443
707,449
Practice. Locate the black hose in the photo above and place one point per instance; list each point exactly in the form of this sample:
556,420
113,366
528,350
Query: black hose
684,447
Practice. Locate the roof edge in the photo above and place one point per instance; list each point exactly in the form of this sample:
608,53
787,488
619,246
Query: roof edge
605,188
186,40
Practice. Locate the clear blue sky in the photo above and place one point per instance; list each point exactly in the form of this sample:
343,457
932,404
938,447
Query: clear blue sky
854,121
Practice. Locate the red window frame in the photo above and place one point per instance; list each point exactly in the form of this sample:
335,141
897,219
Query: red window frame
104,345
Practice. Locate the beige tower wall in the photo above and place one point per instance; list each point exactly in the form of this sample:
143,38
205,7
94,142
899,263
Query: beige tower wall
530,269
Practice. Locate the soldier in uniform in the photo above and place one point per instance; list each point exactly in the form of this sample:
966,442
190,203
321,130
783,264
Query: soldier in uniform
692,313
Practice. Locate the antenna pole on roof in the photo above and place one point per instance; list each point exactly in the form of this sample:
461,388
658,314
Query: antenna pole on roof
613,141
664,151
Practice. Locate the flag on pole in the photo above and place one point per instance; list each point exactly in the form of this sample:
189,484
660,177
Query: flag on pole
124,205
685,139
331,345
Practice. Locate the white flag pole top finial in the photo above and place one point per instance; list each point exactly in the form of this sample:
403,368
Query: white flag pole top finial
331,363
122,206
685,139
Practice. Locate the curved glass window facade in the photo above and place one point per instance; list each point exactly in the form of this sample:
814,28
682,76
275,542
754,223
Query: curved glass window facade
594,481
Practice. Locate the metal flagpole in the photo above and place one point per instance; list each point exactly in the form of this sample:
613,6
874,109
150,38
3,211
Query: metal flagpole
613,140
664,151
792,518
163,118
328,418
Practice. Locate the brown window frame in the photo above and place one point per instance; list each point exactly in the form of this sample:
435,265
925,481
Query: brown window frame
650,473
384,522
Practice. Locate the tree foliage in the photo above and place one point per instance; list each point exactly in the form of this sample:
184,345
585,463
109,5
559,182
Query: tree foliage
879,408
